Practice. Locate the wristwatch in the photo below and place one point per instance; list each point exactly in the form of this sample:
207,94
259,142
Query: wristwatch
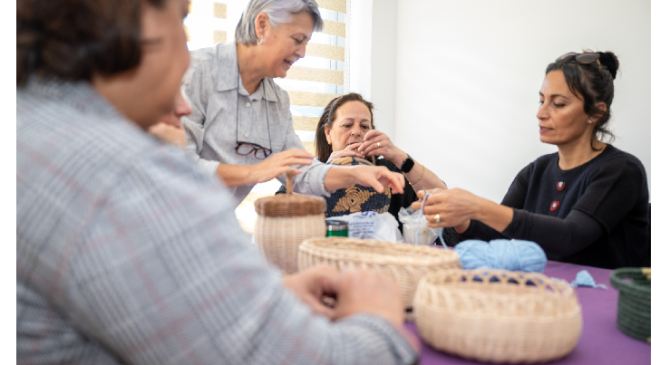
407,165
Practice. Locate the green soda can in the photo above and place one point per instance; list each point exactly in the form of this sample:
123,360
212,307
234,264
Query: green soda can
336,228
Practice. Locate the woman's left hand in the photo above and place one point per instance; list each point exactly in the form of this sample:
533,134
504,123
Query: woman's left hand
377,143
454,207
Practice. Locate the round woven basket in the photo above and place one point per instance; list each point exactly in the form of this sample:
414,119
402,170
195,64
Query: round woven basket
405,264
497,315
634,311
283,222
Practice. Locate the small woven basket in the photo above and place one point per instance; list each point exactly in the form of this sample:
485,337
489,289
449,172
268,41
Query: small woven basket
497,315
634,313
283,222
405,264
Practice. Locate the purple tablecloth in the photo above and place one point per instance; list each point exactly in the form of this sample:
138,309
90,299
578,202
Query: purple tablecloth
601,341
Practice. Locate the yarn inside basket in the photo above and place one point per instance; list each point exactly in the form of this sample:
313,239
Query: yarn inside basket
514,255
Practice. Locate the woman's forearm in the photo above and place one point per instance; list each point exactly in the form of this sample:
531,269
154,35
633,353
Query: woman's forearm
492,214
235,175
339,178
421,177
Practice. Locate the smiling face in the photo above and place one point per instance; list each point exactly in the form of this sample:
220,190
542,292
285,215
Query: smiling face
561,115
285,44
352,122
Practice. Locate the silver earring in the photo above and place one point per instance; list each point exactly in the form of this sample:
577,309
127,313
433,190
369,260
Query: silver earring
261,40
590,121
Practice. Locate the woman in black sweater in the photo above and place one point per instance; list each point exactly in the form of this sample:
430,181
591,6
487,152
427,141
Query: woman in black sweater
588,203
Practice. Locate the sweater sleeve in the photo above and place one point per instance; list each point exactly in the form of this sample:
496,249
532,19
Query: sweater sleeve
557,236
514,198
614,189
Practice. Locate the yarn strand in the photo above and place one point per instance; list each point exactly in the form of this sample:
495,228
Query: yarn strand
421,211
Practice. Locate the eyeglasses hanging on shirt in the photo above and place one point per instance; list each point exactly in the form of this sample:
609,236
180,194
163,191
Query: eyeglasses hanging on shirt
244,148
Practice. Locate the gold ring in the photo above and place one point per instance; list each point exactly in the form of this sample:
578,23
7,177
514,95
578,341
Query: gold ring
378,144
437,218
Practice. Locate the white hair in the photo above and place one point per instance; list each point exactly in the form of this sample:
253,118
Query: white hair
278,11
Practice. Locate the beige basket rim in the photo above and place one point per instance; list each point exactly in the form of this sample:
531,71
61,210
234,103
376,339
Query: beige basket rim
384,253
545,291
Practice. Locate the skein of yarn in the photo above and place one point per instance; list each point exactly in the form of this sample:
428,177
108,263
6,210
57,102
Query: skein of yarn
514,255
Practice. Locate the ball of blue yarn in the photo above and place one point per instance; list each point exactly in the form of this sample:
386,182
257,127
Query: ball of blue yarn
514,255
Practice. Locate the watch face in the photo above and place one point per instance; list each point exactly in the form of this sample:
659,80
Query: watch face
407,164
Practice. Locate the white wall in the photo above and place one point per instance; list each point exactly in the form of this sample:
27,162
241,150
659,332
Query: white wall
467,76
372,57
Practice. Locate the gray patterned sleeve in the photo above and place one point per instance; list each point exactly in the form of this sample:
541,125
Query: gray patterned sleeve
165,275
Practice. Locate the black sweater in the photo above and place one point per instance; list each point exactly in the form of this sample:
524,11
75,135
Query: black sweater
596,214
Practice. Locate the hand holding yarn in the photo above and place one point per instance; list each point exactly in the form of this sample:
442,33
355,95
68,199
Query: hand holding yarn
377,143
454,207
349,151
514,255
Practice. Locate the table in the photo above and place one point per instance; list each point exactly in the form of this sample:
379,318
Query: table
601,341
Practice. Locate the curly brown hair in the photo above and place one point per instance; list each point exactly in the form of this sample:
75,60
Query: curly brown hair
75,39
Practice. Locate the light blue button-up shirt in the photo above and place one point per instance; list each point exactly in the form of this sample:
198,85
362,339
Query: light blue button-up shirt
223,113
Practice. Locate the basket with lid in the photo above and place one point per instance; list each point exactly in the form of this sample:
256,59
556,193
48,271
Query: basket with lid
498,316
284,221
405,264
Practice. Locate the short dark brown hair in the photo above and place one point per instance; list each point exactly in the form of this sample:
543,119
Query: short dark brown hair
323,149
592,85
75,39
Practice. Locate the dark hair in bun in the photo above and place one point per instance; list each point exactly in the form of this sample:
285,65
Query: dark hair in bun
585,80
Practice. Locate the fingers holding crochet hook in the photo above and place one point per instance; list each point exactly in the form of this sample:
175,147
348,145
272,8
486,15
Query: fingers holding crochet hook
448,208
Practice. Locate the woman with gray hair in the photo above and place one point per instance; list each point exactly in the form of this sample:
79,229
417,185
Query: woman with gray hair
240,127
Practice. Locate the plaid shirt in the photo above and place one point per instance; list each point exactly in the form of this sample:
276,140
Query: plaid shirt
127,253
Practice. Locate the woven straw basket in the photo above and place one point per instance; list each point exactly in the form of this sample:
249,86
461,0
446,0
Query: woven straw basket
634,308
283,222
528,319
405,264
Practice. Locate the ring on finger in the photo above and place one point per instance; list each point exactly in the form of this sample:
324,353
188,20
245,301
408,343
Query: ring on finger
378,144
437,218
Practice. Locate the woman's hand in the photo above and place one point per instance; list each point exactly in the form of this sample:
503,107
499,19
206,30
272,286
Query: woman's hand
312,285
379,177
455,208
349,151
387,149
169,133
279,163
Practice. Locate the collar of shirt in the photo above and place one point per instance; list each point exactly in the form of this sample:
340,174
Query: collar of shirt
228,77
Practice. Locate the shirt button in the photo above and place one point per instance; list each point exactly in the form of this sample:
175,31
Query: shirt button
248,104
245,135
